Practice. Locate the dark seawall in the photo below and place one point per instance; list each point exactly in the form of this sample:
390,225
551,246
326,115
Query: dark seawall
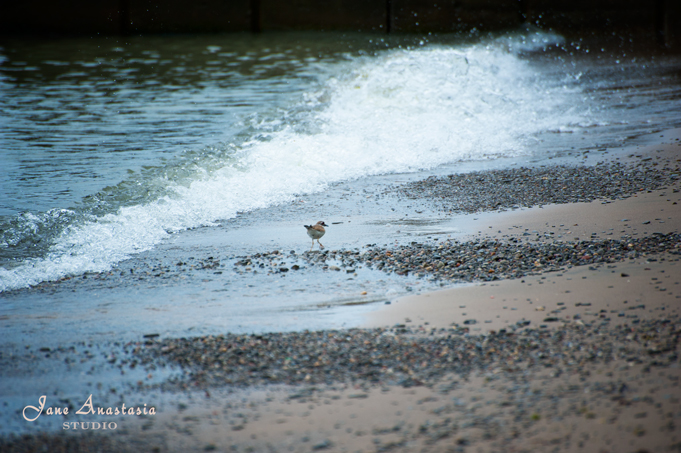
119,17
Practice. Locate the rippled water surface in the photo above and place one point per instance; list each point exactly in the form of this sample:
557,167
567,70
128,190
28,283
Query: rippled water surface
110,145
82,115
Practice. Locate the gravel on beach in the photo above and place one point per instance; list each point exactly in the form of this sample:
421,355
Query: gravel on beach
528,187
40,443
411,357
491,259
448,261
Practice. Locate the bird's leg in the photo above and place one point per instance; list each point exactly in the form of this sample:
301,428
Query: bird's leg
320,244
312,245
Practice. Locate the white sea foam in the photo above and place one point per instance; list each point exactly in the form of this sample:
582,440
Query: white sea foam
403,110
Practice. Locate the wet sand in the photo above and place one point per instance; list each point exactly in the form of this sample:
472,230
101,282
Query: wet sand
581,358
647,286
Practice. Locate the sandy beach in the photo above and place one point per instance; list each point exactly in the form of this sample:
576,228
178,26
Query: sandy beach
570,353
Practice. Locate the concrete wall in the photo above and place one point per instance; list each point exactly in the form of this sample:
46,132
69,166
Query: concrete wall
364,15
74,17
177,16
173,16
594,14
454,15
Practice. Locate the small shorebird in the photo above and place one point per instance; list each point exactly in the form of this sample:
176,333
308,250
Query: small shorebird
316,232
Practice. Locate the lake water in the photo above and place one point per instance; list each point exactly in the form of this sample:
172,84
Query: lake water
110,146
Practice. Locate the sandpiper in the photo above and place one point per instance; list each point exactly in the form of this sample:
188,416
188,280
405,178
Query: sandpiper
316,232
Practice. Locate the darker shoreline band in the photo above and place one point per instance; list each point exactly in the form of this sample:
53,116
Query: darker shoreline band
660,18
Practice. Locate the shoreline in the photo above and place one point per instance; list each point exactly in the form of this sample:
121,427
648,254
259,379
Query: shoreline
601,373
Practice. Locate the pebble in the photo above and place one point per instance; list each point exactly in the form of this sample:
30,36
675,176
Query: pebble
527,187
494,259
407,356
